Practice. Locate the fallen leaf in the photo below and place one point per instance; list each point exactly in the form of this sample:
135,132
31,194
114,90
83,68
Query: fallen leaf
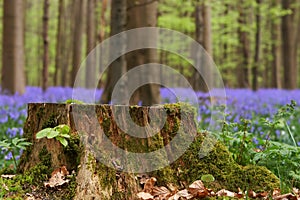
197,189
149,184
161,192
252,194
182,193
144,196
276,192
288,196
225,193
57,178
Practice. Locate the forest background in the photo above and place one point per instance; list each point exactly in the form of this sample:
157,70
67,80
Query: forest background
254,43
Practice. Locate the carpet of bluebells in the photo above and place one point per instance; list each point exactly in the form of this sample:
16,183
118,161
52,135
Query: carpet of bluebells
241,104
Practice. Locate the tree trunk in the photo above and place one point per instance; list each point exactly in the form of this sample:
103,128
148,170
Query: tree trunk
46,45
243,68
94,179
59,40
90,77
143,13
13,74
257,47
276,50
118,67
289,51
197,81
66,43
77,38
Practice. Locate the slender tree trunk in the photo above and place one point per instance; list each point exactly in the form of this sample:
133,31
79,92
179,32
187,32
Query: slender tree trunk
207,42
66,43
59,41
102,19
118,67
243,68
289,50
90,31
46,45
142,13
197,80
77,38
276,51
13,74
257,47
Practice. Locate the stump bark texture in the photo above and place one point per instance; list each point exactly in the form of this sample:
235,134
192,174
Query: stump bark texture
101,173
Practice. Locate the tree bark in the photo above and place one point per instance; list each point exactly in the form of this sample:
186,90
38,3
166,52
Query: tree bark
13,74
143,13
276,50
196,80
288,28
46,45
59,40
94,179
90,32
118,67
243,68
77,38
257,47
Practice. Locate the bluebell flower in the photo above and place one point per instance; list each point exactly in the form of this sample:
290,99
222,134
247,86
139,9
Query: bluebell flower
8,156
254,140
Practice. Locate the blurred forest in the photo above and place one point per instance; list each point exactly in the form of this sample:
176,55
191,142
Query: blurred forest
254,43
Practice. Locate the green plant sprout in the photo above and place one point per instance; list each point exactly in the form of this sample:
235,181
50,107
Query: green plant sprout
207,178
14,144
71,101
60,133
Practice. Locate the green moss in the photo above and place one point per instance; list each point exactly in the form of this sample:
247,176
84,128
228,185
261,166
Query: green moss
73,150
51,122
45,157
220,164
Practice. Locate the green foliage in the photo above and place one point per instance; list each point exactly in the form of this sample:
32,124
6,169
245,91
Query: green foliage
282,159
60,133
71,101
16,144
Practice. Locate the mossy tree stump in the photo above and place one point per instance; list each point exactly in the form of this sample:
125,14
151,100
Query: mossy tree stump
90,124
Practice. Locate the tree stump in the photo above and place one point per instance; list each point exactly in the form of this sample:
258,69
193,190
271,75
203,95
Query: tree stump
108,152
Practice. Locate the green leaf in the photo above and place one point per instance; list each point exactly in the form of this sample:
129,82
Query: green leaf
4,144
43,133
63,129
52,134
15,141
65,135
207,178
63,141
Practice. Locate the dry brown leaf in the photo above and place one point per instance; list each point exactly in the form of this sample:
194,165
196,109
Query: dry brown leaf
197,189
182,193
296,191
144,196
149,184
276,192
225,193
262,194
288,196
57,178
252,194
161,192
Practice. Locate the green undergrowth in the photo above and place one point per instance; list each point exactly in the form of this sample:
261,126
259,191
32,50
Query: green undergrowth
219,163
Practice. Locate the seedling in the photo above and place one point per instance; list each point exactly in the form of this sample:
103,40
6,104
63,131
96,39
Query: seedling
60,133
